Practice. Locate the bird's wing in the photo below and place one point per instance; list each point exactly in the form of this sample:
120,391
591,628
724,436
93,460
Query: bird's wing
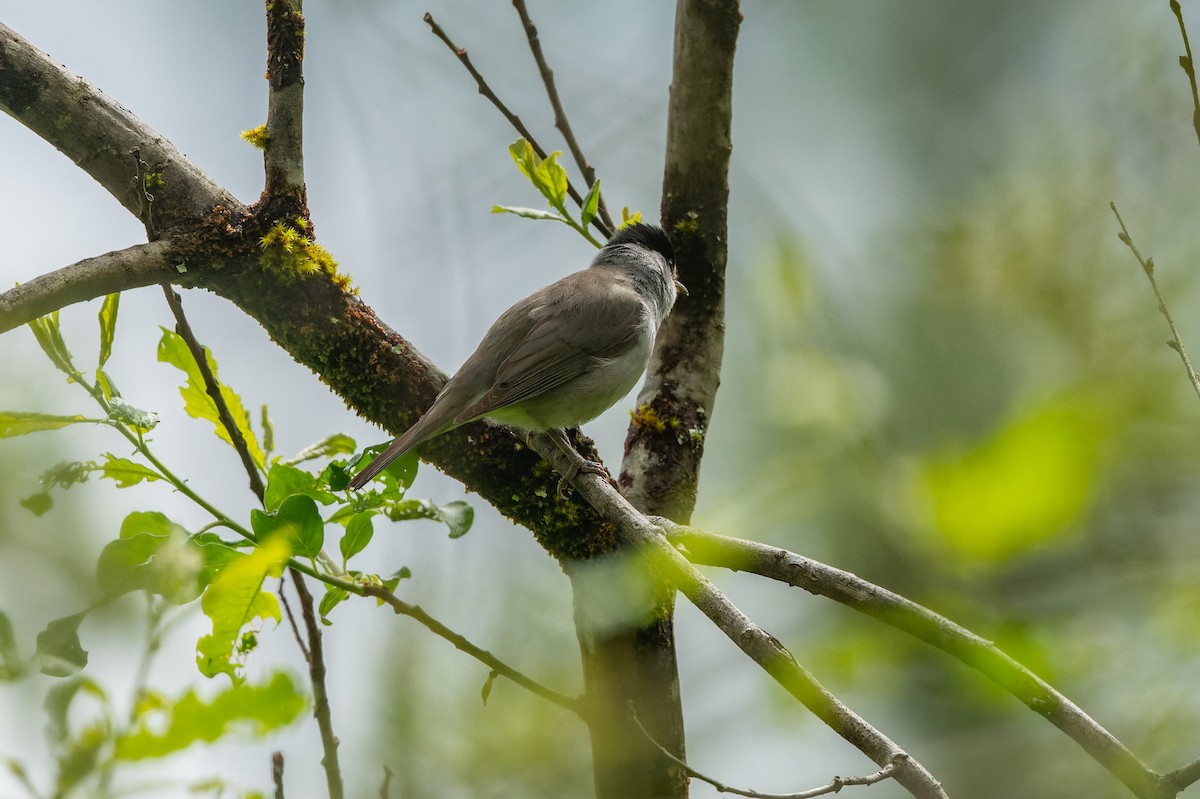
563,343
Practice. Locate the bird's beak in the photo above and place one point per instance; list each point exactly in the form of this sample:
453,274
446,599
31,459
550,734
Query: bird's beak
680,288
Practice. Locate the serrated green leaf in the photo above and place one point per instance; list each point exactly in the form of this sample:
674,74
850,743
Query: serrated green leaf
284,481
11,666
17,423
197,403
591,203
235,601
49,337
297,520
336,444
358,534
334,596
126,473
59,653
174,726
551,180
529,213
108,326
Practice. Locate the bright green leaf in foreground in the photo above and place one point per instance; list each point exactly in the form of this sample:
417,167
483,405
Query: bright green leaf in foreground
108,325
153,554
16,423
297,521
172,726
236,600
198,404
125,472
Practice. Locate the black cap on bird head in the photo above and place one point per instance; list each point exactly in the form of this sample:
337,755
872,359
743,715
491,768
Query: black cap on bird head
651,237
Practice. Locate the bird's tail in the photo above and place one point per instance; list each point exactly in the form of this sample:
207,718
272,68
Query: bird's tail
410,438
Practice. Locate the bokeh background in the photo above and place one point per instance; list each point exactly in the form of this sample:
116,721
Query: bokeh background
944,373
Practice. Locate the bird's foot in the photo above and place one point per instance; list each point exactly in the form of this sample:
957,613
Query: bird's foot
582,465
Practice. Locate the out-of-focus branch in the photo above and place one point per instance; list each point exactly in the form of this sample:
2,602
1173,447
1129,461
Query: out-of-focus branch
922,623
513,119
1176,343
561,121
666,563
1189,67
285,105
834,786
133,267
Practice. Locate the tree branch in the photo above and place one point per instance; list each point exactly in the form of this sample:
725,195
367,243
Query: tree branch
461,643
514,120
835,785
285,106
133,267
316,672
666,562
560,115
97,134
925,625
662,460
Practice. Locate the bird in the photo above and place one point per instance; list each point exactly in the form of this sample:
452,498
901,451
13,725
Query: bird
564,354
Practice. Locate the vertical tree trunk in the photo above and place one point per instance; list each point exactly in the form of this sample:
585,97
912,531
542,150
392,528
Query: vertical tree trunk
635,667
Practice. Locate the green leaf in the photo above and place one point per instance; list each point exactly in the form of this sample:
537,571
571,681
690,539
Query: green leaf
358,534
197,403
235,601
38,503
49,338
297,521
166,562
457,515
336,444
173,726
544,173
68,473
334,596
105,384
16,423
59,653
126,473
530,213
268,432
11,666
403,469
591,203
487,686
403,573
108,325
121,411
284,481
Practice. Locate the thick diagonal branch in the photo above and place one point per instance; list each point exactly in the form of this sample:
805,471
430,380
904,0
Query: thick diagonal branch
133,267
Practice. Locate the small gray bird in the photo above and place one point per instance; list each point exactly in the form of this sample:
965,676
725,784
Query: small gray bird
563,355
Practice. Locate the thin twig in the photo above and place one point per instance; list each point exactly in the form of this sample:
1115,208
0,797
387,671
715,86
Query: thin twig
513,119
1148,267
416,613
387,781
1181,778
316,671
1189,67
834,786
921,623
277,773
287,611
214,392
560,115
